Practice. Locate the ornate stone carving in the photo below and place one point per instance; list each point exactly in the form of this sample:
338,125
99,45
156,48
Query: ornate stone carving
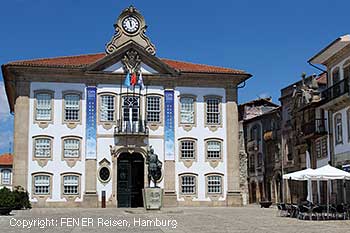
306,93
122,37
131,62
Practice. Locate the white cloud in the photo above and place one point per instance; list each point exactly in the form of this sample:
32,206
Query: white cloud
4,106
6,139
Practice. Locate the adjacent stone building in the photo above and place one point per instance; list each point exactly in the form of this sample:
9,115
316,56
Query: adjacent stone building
260,119
84,125
6,161
302,128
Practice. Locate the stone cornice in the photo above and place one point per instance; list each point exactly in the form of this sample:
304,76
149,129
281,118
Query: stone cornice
18,73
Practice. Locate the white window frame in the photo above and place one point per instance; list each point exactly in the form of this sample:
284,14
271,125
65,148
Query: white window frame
75,150
43,105
6,176
107,108
187,110
338,128
211,151
45,183
188,185
70,185
153,108
210,113
214,184
71,109
186,150
46,148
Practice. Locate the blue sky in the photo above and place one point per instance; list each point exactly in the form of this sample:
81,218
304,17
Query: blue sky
270,39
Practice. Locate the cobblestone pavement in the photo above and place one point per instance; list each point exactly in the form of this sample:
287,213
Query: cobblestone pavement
191,220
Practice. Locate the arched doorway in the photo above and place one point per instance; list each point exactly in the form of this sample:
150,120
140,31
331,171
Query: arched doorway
130,180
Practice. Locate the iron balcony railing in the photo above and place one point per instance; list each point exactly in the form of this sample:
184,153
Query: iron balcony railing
131,128
316,126
338,89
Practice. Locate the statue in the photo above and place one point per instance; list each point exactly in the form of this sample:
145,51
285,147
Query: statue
154,167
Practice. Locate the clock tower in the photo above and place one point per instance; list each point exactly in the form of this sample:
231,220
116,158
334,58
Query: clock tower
130,26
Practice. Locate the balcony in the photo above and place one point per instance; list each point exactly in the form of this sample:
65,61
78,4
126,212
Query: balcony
336,90
315,127
136,128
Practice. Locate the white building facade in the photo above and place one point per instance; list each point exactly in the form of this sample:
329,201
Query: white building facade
336,109
92,120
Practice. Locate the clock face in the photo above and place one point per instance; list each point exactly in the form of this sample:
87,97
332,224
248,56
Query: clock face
130,24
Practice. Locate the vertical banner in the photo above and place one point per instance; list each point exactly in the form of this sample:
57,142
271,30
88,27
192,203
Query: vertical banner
90,123
169,134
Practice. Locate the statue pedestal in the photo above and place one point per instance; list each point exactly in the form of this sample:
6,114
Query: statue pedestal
152,198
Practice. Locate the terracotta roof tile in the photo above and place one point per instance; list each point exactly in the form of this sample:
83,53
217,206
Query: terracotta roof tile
192,67
81,61
6,159
66,61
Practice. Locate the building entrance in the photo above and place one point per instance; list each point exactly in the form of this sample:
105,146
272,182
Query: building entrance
130,181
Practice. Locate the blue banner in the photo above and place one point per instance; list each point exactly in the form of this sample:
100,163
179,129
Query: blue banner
169,134
90,123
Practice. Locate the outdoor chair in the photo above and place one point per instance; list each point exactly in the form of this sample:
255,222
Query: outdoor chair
305,211
341,211
295,211
282,210
318,211
332,211
347,209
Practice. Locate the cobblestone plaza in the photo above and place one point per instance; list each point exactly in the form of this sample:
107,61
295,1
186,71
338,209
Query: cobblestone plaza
245,219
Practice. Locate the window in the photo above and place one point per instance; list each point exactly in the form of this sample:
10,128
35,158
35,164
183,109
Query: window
335,76
187,149
42,184
255,133
70,185
71,107
260,159
153,109
104,174
321,147
187,110
214,184
213,111
131,108
71,148
289,149
188,184
42,148
346,70
252,162
107,110
43,106
6,176
213,150
338,128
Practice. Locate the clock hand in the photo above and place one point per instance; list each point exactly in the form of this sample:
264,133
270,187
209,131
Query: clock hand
130,23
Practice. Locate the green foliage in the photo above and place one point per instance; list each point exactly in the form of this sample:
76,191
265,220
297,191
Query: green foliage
7,199
21,198
16,199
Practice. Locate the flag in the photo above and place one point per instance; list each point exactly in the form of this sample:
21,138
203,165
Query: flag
127,80
140,81
133,79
